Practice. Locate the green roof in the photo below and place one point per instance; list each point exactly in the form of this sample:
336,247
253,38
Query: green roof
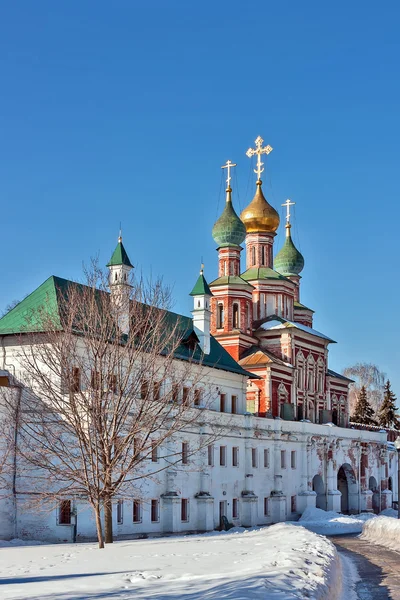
301,306
262,273
201,287
230,280
119,257
25,318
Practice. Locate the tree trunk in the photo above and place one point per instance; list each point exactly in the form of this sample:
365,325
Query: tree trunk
99,526
108,524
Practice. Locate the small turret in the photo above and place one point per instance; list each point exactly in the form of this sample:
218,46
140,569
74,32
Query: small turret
201,311
120,267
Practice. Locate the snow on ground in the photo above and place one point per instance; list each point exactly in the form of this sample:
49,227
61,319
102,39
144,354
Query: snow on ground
384,531
332,523
281,562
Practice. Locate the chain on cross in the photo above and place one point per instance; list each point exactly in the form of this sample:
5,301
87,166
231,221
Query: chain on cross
228,166
258,150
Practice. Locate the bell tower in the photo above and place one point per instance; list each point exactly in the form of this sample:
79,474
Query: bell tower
120,267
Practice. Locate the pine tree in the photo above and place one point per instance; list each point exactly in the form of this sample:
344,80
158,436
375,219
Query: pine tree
387,413
363,412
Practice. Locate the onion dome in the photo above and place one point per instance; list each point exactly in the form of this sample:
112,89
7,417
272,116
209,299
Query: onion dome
260,216
229,229
289,261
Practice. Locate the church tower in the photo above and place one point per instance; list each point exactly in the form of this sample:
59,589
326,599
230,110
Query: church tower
231,321
201,312
120,267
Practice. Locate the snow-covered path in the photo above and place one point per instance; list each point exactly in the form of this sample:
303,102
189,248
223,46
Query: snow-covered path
377,576
279,562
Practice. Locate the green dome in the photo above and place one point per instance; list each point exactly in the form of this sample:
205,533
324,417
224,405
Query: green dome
229,229
288,261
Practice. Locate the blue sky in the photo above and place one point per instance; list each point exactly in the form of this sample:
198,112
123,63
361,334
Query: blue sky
125,111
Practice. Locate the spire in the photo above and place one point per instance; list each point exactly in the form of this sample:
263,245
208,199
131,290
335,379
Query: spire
289,261
119,256
228,230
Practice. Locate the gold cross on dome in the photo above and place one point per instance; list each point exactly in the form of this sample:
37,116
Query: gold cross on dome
259,150
288,204
228,166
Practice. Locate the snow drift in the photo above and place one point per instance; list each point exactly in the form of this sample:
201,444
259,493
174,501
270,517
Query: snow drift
277,562
332,523
384,531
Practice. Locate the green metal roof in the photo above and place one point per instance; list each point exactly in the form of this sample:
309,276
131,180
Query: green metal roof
201,287
119,257
46,299
228,230
231,280
262,273
301,306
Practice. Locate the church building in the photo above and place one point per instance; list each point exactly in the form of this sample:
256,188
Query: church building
258,317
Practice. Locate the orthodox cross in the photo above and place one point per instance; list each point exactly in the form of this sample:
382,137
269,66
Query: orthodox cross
288,204
228,166
259,150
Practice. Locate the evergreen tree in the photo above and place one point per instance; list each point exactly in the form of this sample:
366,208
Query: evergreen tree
363,412
387,413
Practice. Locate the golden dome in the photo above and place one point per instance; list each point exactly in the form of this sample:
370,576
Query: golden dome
260,216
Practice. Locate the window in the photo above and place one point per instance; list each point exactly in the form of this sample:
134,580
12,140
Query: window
222,402
64,512
185,453
154,452
283,459
220,315
185,396
184,509
112,383
95,380
266,458
248,316
210,455
197,397
235,316
137,511
156,390
175,392
120,511
300,412
234,405
266,507
75,385
254,461
253,256
235,508
263,255
293,504
144,390
235,456
293,459
222,456
155,513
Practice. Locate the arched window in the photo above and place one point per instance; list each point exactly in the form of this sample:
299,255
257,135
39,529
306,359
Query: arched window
220,318
320,375
116,277
263,255
300,370
253,255
311,373
235,316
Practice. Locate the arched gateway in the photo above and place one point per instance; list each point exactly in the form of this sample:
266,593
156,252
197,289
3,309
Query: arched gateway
348,487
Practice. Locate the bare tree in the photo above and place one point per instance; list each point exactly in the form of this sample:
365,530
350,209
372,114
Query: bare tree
369,376
100,403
